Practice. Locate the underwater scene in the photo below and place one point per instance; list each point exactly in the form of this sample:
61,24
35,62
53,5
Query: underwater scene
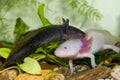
59,40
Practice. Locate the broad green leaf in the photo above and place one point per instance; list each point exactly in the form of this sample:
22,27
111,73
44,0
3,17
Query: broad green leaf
20,27
31,66
44,20
4,52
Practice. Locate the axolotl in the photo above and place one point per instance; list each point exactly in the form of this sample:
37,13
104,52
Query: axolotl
40,37
95,40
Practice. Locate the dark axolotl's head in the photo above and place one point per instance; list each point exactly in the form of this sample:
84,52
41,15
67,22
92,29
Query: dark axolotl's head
70,31
75,33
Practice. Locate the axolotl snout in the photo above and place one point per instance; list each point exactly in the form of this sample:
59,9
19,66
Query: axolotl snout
95,40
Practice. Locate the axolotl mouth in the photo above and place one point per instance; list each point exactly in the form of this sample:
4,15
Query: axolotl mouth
62,56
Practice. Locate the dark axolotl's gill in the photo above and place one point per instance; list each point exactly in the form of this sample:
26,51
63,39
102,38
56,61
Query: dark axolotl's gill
40,37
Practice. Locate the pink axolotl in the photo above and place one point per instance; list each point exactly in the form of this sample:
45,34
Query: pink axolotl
94,41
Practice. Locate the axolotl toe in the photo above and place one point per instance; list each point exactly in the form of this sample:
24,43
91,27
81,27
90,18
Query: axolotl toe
95,40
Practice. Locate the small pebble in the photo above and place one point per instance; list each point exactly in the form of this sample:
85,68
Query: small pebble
63,70
80,68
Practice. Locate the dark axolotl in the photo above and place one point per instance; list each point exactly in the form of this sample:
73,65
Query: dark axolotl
41,37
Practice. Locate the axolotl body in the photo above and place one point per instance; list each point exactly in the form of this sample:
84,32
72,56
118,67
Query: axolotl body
95,40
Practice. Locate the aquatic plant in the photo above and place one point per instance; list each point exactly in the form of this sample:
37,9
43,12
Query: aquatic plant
85,9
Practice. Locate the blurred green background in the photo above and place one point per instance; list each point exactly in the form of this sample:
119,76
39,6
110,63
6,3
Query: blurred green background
55,10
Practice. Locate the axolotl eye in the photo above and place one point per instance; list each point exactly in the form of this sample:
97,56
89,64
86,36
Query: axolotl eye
65,47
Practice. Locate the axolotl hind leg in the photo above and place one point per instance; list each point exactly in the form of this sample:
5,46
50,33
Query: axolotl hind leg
115,48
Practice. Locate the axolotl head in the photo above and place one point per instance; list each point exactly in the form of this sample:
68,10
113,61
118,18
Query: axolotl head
68,49
70,32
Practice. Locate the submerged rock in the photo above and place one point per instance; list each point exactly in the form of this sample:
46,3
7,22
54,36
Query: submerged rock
8,75
115,73
53,75
99,72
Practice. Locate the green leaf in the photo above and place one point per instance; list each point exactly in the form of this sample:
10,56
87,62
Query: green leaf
4,52
115,56
44,20
31,66
53,45
40,50
20,27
